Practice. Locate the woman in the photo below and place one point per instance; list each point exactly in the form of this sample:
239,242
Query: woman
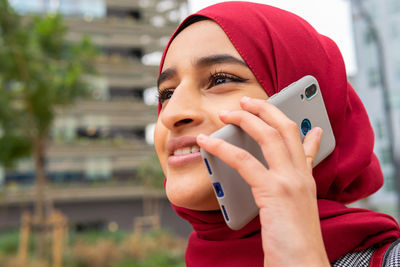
218,68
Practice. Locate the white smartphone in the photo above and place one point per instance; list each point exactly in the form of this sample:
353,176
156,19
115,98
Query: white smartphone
302,102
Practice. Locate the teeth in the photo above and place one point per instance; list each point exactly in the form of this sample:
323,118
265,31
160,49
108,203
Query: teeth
178,151
186,150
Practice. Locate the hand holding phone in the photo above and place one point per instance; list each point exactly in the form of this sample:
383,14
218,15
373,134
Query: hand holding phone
302,102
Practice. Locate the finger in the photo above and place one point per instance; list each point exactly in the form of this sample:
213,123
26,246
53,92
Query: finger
272,145
278,120
252,171
311,145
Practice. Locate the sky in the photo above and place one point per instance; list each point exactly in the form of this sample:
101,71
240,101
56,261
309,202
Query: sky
330,17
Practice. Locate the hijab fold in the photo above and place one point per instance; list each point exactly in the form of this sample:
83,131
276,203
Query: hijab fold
280,48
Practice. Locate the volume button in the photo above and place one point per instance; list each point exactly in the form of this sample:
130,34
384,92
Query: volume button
208,166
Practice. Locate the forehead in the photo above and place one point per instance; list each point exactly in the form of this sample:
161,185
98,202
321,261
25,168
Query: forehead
198,40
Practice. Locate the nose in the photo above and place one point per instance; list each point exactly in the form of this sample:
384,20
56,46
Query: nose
183,109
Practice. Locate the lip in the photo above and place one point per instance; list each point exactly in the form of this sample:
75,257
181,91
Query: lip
180,160
180,142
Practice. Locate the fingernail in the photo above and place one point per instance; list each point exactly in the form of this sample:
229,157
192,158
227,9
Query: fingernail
202,138
317,131
246,99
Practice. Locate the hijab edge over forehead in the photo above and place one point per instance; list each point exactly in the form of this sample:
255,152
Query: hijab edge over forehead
197,17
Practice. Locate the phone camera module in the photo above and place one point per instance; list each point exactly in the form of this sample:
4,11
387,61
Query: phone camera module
305,126
311,91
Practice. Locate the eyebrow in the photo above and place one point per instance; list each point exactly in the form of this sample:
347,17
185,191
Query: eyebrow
203,62
165,75
218,59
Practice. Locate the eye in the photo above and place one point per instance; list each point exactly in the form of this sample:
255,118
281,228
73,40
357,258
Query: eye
164,95
221,78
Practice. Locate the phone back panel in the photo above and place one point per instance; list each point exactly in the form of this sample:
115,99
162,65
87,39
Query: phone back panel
233,193
297,106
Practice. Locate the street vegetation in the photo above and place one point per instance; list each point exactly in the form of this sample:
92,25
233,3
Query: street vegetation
103,249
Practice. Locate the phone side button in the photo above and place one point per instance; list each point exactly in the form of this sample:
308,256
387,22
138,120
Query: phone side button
225,213
218,189
208,166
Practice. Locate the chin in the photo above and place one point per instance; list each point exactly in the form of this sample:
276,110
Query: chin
192,193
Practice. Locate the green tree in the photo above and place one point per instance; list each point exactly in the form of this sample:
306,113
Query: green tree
150,174
39,72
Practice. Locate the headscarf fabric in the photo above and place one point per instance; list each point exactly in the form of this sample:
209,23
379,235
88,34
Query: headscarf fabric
280,48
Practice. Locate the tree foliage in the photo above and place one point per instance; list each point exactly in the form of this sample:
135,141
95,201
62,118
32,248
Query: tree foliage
39,71
150,174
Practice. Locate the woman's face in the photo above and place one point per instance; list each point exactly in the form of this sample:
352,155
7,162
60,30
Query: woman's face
202,75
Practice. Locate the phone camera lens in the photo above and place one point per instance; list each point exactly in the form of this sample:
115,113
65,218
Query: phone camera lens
305,126
311,90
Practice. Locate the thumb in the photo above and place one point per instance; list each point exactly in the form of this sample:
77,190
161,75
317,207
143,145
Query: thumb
311,145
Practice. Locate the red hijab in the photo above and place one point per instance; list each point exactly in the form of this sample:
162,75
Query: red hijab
280,48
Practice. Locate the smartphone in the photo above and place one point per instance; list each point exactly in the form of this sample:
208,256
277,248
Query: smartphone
302,102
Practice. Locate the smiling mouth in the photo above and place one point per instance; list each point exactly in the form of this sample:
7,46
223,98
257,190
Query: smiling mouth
184,155
186,150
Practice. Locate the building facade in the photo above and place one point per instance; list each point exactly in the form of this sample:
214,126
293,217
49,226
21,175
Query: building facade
97,145
378,62
108,136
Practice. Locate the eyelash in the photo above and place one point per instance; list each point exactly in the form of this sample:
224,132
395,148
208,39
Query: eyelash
222,75
165,94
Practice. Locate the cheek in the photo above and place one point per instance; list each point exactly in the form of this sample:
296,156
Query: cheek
220,103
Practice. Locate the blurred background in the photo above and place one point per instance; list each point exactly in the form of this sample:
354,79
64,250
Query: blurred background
80,184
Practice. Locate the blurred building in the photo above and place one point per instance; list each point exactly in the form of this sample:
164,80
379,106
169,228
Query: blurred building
384,15
105,138
102,141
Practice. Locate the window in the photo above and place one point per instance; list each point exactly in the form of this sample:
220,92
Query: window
123,93
378,130
99,168
92,132
123,13
128,133
369,37
373,78
98,87
124,52
135,14
95,132
385,156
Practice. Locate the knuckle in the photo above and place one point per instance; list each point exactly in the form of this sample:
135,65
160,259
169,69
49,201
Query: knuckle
262,134
291,126
281,188
262,106
295,187
242,156
218,144
266,135
269,134
310,159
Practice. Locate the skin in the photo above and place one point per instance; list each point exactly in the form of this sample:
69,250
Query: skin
194,106
197,99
